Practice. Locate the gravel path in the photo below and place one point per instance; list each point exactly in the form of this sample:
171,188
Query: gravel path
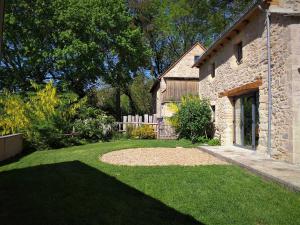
160,156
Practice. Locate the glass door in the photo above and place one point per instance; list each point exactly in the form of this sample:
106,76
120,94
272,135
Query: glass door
246,121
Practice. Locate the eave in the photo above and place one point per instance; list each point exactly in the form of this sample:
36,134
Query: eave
234,29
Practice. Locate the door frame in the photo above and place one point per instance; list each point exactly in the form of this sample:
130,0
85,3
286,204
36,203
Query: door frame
253,117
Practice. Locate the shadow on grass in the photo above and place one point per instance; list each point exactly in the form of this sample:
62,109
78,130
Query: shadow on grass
74,193
17,157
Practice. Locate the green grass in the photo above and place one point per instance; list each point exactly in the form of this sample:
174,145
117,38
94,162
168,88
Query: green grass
71,187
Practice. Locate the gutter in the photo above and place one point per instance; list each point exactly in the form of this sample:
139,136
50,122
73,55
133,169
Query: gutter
268,14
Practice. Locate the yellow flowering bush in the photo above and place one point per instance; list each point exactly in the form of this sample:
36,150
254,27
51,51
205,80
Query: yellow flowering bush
42,116
144,132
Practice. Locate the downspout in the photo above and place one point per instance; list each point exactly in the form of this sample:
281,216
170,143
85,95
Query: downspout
268,14
269,143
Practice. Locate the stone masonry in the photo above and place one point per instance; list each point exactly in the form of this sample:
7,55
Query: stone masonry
180,69
285,63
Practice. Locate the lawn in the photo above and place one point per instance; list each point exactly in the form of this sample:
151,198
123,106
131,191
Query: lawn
71,187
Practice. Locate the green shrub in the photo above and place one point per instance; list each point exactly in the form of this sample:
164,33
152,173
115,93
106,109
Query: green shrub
129,130
95,129
202,140
193,118
47,119
144,132
214,142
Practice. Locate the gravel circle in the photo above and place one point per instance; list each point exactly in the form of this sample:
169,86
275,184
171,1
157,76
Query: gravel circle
160,157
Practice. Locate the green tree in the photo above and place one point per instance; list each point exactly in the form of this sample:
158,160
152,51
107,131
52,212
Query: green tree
172,27
72,42
140,95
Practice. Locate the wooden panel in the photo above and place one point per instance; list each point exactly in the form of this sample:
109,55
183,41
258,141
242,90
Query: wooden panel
273,2
178,88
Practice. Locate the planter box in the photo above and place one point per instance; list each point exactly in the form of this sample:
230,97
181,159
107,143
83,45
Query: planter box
10,145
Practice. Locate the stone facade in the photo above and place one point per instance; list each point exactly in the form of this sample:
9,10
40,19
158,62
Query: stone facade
285,63
180,70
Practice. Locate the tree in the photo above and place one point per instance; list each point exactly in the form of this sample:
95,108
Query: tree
140,95
1,24
172,27
75,43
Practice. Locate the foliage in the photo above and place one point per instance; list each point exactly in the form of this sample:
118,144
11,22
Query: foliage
208,141
135,98
129,131
193,117
75,43
140,95
144,132
13,113
214,142
46,118
172,27
202,140
93,124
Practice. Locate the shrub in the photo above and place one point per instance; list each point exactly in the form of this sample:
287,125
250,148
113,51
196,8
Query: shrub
192,118
144,132
129,130
95,129
202,140
214,142
47,119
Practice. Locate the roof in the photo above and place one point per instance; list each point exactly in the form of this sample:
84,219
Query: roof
234,27
175,63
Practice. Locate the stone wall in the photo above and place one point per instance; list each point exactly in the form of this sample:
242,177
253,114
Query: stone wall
294,87
230,74
10,145
290,4
182,69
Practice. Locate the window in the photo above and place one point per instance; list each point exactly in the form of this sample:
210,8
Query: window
239,52
196,58
213,70
213,114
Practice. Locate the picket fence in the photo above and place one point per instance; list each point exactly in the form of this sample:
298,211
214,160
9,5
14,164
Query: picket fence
161,129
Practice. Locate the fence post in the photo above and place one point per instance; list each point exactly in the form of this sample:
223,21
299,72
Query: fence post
154,118
124,123
146,119
150,119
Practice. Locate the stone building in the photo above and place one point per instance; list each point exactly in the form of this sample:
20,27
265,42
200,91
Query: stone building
261,48
178,80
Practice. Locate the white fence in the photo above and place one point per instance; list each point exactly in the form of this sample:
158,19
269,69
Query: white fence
162,130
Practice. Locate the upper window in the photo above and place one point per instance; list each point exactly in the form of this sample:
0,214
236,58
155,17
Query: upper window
239,52
213,70
196,58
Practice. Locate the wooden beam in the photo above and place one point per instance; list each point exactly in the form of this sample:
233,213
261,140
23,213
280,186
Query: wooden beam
273,2
242,89
246,21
